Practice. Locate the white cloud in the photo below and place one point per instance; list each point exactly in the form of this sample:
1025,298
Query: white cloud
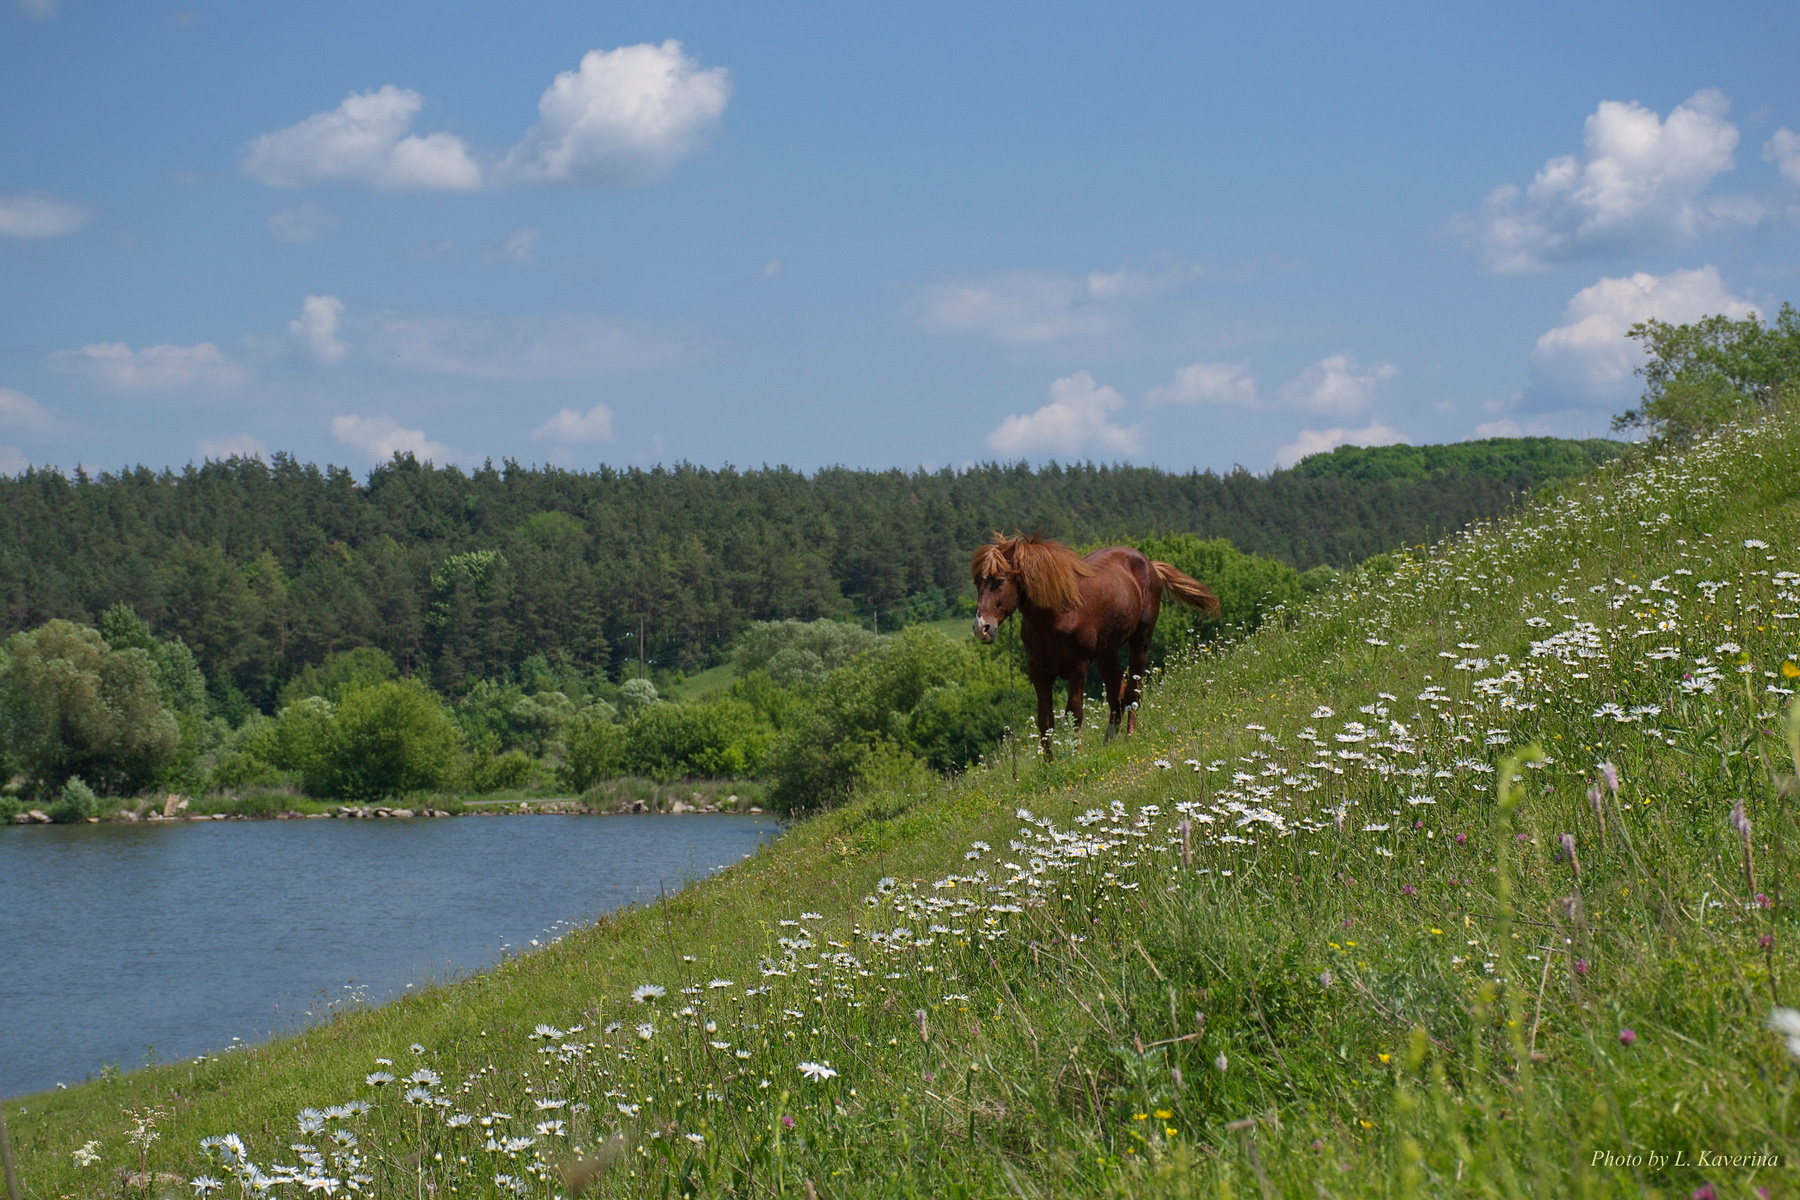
1338,384
1017,307
515,348
1639,181
1207,383
380,438
517,249
1318,441
1588,356
41,9
19,411
1783,150
1073,421
13,461
152,369
364,140
307,222
1026,308
316,328
623,117
569,426
1502,428
237,445
41,215
772,268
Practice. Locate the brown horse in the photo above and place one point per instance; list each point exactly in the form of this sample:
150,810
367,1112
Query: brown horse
1075,611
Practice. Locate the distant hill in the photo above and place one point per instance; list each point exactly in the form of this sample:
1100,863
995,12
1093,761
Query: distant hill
1521,462
264,568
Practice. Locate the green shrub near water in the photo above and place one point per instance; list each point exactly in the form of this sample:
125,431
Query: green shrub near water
387,740
70,704
380,740
921,696
76,803
511,769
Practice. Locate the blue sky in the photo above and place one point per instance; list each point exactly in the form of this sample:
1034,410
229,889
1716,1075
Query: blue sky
878,236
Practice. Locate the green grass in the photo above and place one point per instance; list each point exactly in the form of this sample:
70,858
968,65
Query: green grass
1355,973
703,683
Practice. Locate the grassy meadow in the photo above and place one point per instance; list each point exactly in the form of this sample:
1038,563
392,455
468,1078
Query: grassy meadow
1468,879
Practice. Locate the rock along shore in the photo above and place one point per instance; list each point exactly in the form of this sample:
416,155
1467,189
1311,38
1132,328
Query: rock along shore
175,809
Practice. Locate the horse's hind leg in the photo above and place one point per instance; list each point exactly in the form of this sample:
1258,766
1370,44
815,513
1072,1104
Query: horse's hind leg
1114,682
1139,657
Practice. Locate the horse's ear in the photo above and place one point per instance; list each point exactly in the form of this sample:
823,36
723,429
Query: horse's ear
992,560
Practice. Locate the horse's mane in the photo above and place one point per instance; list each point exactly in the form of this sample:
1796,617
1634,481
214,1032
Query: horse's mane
1049,573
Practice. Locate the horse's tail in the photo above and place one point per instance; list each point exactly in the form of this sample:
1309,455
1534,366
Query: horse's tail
1188,590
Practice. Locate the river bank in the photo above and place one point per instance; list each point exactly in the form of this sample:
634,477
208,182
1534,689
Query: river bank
177,808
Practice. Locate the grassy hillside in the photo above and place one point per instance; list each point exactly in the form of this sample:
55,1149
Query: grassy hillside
1358,912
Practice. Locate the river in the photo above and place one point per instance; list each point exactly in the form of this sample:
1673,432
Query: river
121,941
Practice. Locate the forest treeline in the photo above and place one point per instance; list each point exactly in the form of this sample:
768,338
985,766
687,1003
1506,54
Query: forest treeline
266,569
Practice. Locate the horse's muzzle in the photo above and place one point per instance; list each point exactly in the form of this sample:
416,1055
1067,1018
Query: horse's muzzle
984,630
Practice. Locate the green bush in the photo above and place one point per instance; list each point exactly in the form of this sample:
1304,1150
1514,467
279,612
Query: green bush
596,751
238,771
635,694
500,772
1248,587
829,643
76,803
922,696
340,673
70,704
720,738
543,720
385,740
298,739
202,739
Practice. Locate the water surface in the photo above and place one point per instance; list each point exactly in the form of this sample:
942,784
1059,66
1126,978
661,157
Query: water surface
118,938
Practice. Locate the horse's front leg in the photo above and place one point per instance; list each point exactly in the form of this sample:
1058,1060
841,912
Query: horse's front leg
1076,680
1045,708
1114,682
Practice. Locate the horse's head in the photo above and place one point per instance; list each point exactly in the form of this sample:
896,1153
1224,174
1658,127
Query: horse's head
996,588
1009,572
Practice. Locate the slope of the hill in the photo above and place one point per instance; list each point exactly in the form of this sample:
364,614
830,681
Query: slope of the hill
264,569
1469,880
